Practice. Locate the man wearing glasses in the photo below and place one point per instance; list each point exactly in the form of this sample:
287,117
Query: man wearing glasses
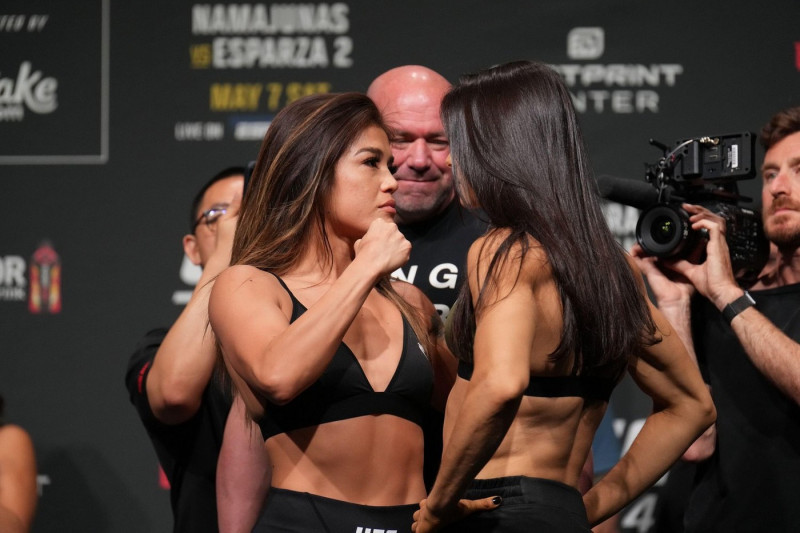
170,376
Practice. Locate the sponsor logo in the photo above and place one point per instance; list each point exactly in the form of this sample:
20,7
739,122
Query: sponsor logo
28,89
361,529
45,281
41,288
585,43
39,56
613,87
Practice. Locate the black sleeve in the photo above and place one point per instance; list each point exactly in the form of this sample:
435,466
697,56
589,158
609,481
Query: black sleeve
139,366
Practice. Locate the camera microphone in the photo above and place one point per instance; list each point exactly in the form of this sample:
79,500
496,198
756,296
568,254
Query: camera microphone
636,194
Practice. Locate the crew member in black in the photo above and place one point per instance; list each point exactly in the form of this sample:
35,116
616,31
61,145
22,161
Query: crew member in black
337,384
747,344
170,376
546,298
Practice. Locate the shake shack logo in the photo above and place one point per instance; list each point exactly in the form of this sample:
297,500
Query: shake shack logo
27,89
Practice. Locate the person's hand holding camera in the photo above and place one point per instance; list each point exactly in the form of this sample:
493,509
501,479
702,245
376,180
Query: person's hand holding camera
713,278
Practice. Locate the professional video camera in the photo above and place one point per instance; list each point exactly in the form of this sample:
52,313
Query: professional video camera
703,171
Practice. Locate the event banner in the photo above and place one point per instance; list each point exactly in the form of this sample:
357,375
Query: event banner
114,113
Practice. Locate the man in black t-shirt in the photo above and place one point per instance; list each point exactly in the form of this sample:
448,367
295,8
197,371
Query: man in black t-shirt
428,211
748,347
170,376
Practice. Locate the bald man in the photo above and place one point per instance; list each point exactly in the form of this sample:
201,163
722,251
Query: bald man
440,233
409,99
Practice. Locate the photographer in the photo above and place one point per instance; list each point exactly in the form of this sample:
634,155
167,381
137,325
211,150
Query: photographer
746,344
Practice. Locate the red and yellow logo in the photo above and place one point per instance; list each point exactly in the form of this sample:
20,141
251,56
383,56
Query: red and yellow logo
45,281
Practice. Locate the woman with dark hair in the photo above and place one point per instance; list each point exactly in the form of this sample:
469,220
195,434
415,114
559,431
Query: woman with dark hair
335,362
552,316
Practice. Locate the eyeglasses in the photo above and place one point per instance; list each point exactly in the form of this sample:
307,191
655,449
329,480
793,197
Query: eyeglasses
210,217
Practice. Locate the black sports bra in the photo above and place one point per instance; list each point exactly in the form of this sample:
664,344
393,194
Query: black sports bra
588,387
343,391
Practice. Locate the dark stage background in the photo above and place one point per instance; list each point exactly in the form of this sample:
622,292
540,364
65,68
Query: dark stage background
113,113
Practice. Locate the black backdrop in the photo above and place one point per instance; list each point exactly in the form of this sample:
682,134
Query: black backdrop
113,113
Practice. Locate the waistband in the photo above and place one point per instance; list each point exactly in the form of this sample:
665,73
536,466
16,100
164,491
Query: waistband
523,489
302,512
332,502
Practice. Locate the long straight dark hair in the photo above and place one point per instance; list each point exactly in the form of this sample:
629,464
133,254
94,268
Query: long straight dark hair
517,147
283,209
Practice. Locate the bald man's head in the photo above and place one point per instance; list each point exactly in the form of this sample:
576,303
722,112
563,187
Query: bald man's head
409,98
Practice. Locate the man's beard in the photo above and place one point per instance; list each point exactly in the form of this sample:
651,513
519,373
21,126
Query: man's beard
786,238
782,231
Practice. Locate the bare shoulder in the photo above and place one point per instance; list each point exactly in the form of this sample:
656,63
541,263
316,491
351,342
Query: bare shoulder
236,274
531,265
245,278
241,290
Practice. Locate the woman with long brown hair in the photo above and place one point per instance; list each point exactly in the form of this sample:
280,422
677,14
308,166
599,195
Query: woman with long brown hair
335,362
553,314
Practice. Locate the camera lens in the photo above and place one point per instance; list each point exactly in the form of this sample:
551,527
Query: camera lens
663,230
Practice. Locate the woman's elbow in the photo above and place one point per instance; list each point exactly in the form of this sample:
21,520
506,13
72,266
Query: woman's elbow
709,412
704,412
695,412
277,389
267,382
279,397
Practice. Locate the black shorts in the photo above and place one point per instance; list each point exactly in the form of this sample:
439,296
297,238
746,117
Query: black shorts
529,504
287,511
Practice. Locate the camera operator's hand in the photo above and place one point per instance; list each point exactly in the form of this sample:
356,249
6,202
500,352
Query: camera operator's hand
670,288
713,278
